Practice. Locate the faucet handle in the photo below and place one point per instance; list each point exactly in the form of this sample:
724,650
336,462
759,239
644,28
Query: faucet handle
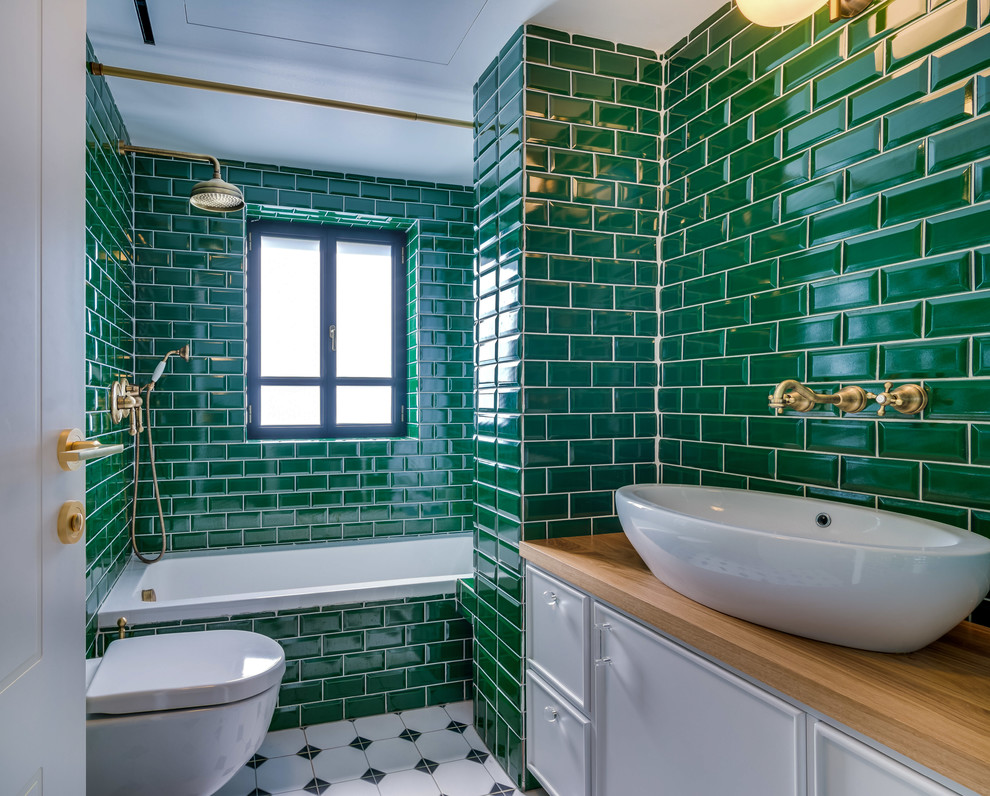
884,399
908,399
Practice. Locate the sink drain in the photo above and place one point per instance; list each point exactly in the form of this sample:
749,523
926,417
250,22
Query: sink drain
823,520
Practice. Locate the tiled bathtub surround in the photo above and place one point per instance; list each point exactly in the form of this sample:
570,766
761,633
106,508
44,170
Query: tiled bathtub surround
567,179
826,218
348,661
221,490
109,340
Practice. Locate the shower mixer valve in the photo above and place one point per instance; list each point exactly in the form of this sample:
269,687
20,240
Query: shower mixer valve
126,402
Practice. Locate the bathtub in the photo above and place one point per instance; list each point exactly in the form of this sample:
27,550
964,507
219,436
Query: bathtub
201,585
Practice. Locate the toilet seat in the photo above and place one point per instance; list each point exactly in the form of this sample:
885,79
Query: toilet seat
183,670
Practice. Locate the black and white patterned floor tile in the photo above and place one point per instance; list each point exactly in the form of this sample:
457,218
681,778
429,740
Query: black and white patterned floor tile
428,752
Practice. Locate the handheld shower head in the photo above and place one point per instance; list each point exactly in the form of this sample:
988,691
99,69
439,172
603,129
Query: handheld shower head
160,367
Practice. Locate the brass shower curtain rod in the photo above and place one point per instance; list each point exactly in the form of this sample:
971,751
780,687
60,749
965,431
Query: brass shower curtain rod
97,68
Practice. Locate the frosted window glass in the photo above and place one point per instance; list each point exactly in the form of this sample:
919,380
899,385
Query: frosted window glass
364,310
289,406
364,405
290,307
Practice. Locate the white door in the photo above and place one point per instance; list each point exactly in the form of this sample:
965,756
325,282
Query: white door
42,217
669,723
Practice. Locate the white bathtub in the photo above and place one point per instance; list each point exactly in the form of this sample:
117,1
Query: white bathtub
208,584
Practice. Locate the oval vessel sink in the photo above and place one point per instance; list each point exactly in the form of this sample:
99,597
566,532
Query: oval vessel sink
856,577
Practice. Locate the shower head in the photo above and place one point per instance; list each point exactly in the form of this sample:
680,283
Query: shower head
216,195
160,367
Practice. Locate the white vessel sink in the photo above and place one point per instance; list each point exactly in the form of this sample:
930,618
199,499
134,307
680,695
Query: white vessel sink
856,577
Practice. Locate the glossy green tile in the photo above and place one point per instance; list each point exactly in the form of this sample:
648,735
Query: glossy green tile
813,196
964,314
942,25
924,278
962,144
894,245
981,356
843,364
948,515
960,59
809,332
733,137
926,197
814,60
851,147
891,168
567,56
814,264
777,304
966,400
776,432
981,444
751,339
842,436
929,115
826,123
891,322
847,220
888,94
847,292
750,279
784,239
881,477
850,75
757,462
957,230
941,442
957,485
869,27
808,468
924,360
759,93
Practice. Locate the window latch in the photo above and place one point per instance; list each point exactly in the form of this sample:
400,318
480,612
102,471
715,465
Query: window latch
333,337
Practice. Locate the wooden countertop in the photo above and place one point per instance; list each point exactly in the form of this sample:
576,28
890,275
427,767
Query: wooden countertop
932,706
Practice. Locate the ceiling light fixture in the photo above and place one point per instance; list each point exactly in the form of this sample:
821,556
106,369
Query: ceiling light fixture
778,13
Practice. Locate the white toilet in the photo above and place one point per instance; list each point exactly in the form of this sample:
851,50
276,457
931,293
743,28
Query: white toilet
178,714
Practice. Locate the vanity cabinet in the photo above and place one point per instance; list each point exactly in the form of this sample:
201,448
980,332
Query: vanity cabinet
614,708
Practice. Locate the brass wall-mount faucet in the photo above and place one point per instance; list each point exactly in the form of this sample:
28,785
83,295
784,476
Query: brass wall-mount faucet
803,399
908,399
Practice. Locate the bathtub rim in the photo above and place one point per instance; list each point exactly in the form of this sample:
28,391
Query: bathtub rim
121,600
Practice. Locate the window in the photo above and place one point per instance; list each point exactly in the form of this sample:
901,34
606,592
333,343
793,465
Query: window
326,332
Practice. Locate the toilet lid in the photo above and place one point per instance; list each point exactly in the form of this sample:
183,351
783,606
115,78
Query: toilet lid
184,670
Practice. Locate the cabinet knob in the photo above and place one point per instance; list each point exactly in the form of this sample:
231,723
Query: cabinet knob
551,597
550,713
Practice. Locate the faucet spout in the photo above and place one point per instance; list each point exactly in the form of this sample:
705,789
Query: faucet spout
792,394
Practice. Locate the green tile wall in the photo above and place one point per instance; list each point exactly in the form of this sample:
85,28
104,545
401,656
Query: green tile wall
361,659
220,489
567,178
826,219
109,340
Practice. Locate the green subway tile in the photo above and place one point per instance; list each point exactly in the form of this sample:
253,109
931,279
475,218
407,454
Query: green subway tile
724,429
842,364
946,23
950,516
808,468
958,314
894,245
851,218
961,486
826,123
571,109
960,59
850,147
783,111
880,477
927,197
748,279
734,312
943,442
926,278
842,436
850,75
888,94
777,304
891,168
957,230
892,322
758,94
751,339
967,400
981,444
934,113
749,461
755,156
813,60
868,28
784,239
962,144
776,432
847,292
793,41
809,332
814,264
924,360
817,195
567,56
981,356
615,65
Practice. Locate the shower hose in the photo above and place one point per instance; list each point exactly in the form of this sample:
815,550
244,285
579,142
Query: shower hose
154,480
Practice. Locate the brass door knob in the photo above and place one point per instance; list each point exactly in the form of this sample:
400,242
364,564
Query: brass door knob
71,522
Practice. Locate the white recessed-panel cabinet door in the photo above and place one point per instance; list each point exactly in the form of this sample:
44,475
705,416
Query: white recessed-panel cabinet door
669,723
844,766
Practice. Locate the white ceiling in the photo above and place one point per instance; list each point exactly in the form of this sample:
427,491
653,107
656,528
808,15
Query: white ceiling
416,55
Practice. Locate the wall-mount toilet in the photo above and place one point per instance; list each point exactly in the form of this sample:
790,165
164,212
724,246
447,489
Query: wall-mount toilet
178,714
